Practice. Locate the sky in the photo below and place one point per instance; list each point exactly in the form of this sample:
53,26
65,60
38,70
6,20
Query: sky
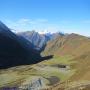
67,16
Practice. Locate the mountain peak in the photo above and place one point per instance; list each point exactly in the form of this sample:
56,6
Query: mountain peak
3,27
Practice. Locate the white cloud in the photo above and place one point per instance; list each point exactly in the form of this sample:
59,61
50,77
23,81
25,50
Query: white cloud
40,25
44,26
86,21
25,24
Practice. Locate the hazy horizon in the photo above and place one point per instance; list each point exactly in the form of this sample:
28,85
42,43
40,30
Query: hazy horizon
68,16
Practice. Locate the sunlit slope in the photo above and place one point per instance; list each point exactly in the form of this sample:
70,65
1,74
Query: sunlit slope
72,44
82,67
76,49
80,80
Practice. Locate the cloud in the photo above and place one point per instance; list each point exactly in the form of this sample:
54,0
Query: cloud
43,25
40,25
66,21
25,21
86,21
24,24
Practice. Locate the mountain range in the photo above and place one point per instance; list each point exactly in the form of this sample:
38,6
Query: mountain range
39,40
26,46
71,44
61,61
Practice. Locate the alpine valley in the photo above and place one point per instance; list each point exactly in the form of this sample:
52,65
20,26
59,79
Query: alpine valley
49,61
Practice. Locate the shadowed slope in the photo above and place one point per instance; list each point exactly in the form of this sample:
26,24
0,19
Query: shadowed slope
13,50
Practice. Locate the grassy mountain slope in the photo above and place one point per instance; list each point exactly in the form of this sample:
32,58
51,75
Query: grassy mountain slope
80,79
69,69
76,49
49,73
72,44
82,66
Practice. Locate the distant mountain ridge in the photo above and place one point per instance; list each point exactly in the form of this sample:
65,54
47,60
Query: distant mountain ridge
71,44
25,47
39,40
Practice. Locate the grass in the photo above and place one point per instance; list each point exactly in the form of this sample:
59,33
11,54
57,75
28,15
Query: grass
81,75
65,60
28,72
59,60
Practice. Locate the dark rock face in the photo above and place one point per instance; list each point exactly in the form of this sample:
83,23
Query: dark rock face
14,51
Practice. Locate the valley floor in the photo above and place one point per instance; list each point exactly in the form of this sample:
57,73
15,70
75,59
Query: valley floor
58,73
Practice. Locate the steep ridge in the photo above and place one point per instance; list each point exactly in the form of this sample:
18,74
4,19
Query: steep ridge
39,40
13,51
72,44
